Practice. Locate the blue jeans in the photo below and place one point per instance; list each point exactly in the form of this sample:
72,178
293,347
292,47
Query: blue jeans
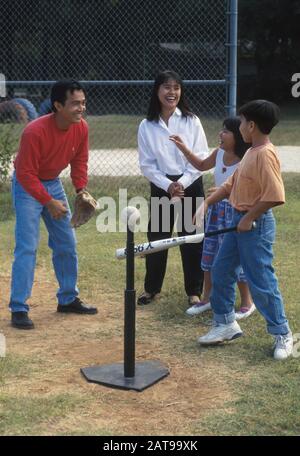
61,240
253,250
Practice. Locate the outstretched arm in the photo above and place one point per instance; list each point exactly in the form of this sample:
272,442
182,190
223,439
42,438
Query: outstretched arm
202,165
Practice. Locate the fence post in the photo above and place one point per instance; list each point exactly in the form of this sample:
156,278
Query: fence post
232,75
2,86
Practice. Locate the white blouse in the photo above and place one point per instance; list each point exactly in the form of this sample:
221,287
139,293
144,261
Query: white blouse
159,156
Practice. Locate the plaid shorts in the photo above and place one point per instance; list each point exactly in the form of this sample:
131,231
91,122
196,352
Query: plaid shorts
219,216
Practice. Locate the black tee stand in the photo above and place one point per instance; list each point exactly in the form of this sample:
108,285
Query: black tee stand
129,376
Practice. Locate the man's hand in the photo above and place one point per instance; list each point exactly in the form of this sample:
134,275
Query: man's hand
245,224
176,189
56,209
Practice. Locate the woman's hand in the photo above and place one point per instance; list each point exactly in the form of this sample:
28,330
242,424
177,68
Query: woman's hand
176,189
180,144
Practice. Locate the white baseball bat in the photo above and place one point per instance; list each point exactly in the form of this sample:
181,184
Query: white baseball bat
163,244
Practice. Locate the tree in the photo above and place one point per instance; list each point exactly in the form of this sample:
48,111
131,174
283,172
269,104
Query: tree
271,29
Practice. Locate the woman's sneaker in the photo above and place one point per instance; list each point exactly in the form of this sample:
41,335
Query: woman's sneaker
198,308
245,312
283,346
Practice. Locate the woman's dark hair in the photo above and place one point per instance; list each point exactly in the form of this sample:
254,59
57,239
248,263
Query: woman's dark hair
154,108
262,112
233,124
60,89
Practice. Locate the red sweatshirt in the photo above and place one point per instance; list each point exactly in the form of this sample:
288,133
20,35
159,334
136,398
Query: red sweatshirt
45,151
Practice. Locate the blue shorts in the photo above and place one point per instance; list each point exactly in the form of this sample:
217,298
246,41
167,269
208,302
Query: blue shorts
219,216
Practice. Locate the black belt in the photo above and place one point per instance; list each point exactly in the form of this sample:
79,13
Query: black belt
173,177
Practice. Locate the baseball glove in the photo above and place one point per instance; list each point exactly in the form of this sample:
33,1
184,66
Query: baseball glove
84,208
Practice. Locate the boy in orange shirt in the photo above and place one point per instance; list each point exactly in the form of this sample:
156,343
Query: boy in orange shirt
254,188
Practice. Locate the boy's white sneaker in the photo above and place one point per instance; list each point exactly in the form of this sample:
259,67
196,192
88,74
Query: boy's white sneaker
220,332
245,312
283,346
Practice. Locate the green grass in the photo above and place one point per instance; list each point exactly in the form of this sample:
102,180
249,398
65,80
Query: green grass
109,132
12,366
286,132
120,131
265,399
27,415
269,406
98,186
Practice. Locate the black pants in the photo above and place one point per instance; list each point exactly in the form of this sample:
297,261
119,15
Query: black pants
156,263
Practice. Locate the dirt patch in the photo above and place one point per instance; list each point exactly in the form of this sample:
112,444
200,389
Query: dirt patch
62,344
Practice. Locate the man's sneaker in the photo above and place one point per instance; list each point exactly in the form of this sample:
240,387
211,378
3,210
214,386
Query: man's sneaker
245,312
283,346
146,298
198,308
20,320
219,333
77,306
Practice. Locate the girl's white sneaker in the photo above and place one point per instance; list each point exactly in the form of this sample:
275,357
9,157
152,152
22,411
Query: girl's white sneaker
198,308
245,312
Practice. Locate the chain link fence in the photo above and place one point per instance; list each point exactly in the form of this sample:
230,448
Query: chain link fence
115,47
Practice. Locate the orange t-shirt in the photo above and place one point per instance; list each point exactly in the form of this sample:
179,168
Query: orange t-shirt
256,179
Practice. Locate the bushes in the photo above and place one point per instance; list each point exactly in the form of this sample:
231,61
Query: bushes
8,147
13,115
11,111
9,136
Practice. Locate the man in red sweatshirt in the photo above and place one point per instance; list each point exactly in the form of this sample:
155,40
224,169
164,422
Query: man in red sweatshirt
48,145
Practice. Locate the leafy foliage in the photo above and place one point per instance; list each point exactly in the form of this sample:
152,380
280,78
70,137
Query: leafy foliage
8,145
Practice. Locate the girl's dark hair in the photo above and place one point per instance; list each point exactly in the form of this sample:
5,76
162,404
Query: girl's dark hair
154,108
233,124
60,89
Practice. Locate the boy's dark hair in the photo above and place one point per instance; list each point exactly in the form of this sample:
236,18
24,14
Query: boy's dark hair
233,124
60,89
154,108
264,113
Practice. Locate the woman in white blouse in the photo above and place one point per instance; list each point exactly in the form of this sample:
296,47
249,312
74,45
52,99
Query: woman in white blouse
172,176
